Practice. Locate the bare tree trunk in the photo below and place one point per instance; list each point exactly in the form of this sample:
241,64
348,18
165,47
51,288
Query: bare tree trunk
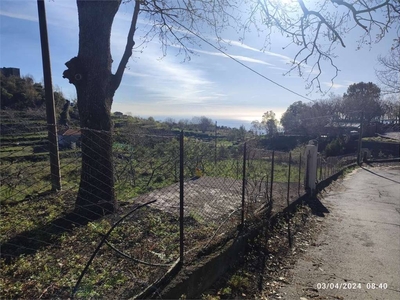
90,72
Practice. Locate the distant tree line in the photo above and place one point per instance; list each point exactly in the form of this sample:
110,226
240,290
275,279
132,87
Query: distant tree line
202,127
362,101
202,123
23,93
310,119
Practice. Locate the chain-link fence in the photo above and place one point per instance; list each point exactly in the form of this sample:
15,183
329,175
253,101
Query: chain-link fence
46,244
275,178
179,198
326,167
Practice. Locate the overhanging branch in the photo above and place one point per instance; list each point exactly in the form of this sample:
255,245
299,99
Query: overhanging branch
307,25
128,48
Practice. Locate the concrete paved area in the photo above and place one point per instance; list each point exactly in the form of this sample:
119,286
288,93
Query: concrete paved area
392,135
357,254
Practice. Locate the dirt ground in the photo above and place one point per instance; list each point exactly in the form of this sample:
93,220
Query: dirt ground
354,250
212,199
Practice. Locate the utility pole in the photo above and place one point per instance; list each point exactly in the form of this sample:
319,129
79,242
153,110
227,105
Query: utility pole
50,107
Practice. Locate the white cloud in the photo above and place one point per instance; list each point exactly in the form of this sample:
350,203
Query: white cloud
59,13
136,74
242,45
238,57
167,82
284,58
20,16
334,85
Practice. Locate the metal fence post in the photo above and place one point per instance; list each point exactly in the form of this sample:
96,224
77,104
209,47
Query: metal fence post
298,188
181,198
215,145
288,202
288,183
272,174
359,144
307,178
243,181
237,168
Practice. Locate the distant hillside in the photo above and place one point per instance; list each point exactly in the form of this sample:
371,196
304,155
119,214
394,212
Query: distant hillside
22,93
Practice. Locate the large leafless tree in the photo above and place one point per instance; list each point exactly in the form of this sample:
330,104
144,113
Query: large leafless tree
90,72
317,28
388,72
175,22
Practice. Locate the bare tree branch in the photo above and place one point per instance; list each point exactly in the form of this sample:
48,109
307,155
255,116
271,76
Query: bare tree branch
322,21
318,27
130,43
389,73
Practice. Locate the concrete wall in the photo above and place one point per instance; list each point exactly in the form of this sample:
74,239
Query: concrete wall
203,276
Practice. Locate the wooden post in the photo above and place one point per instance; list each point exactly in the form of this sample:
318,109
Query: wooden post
50,107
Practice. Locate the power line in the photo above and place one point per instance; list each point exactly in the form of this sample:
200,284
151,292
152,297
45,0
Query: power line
239,62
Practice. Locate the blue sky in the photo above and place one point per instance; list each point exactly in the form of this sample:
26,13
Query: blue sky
208,84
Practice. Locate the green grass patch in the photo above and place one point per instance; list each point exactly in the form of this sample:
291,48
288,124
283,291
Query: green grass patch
52,271
24,137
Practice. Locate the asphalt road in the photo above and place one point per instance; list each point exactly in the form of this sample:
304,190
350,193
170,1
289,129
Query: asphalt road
357,253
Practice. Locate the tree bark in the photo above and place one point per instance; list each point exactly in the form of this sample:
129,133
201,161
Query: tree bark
90,72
